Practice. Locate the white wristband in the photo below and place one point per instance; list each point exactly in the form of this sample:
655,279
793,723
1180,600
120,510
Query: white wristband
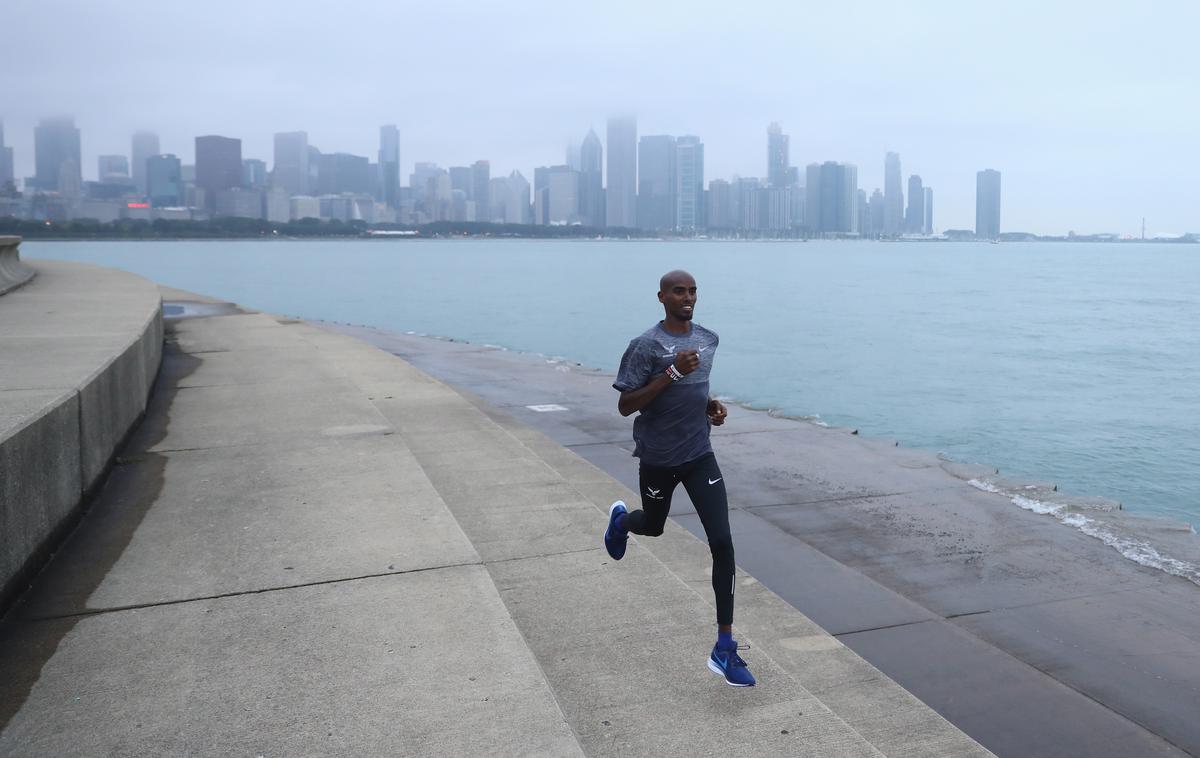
673,373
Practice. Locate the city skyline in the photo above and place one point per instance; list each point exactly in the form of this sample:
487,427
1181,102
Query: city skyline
1085,112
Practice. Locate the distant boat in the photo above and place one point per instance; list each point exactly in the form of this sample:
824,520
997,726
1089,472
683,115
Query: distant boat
995,242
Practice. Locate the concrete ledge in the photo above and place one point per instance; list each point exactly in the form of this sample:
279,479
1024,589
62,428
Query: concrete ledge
13,273
78,356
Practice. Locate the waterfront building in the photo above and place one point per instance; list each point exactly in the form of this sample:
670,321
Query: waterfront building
112,168
689,184
591,181
342,173
987,204
460,178
875,214
832,198
720,205
555,195
928,226
657,182
389,165
276,206
893,195
775,209
254,173
480,190
57,156
914,217
516,209
239,202
144,145
304,206
104,211
164,181
7,171
864,213
620,197
744,202
290,170
218,166
497,199
779,169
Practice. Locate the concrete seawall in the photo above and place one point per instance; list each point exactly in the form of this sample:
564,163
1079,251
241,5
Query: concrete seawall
80,347
13,273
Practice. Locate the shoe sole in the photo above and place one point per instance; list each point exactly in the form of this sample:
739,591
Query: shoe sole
717,670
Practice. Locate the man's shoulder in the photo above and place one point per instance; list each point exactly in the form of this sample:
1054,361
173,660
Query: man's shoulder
704,333
651,336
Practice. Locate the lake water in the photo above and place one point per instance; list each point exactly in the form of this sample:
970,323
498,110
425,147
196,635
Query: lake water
1073,363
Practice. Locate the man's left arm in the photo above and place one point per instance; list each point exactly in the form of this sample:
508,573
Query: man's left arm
716,412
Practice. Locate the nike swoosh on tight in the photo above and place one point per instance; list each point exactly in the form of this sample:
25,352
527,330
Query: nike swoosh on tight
714,481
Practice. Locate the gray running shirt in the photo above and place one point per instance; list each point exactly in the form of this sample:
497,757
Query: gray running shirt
673,428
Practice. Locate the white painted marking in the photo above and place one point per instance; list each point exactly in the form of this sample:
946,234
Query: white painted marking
547,408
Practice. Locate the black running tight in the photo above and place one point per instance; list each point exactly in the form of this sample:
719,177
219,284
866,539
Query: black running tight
706,487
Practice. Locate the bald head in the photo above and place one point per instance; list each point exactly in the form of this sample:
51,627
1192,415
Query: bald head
671,278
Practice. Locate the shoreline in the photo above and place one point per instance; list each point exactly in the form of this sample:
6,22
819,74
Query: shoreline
1157,542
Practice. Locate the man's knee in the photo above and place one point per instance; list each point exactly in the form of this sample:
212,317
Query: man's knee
721,547
652,529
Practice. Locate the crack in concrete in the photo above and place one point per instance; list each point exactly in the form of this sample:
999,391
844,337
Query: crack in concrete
242,593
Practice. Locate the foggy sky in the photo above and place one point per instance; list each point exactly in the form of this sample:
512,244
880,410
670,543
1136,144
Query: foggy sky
1089,109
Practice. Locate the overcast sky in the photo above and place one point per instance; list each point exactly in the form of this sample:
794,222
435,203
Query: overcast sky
1091,110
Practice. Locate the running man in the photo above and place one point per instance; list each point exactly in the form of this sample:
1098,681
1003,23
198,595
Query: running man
664,375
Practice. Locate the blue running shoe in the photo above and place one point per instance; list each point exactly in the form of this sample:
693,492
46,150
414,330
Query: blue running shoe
615,538
727,663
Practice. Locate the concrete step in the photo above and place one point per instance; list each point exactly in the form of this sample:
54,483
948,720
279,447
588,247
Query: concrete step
623,645
892,720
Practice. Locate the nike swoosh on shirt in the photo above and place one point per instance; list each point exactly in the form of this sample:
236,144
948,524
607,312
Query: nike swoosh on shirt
714,481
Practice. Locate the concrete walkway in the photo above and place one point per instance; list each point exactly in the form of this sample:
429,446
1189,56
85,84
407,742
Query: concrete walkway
310,547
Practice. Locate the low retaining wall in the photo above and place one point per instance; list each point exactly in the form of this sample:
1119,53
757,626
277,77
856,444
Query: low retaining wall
80,347
13,273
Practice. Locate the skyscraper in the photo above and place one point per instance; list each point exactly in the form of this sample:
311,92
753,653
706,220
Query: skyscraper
145,144
218,166
343,173
163,182
987,204
516,210
893,195
109,167
481,176
621,195
720,205
254,173
389,164
56,154
7,181
874,215
779,172
291,169
556,195
656,182
591,181
928,228
914,218
689,185
831,198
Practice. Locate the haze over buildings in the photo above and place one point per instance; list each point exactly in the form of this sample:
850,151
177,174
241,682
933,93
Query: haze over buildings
1089,111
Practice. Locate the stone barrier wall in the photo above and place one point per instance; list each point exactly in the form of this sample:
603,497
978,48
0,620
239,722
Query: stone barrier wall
13,273
79,351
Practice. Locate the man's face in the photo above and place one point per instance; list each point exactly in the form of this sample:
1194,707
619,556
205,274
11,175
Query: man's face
679,297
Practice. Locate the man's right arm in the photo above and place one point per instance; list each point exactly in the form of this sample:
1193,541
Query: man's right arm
632,401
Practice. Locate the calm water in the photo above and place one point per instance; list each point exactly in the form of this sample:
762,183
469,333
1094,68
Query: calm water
1074,363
